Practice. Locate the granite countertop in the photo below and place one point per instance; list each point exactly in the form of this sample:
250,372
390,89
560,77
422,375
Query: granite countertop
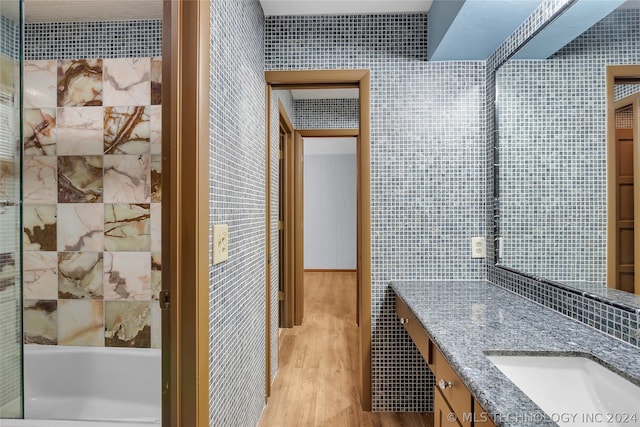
466,319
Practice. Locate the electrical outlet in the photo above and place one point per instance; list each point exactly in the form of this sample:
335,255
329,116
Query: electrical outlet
478,247
220,243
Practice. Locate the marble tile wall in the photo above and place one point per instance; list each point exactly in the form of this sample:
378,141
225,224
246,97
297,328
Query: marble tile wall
92,172
10,295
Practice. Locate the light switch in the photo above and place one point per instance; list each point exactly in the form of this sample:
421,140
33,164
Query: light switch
220,243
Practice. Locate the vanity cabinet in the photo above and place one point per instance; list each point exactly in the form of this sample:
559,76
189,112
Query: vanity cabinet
453,402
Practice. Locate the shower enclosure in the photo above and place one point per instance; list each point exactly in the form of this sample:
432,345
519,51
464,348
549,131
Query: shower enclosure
80,213
11,389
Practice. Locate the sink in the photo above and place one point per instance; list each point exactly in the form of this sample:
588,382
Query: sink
573,390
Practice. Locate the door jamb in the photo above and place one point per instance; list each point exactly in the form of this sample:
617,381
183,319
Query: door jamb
360,79
185,213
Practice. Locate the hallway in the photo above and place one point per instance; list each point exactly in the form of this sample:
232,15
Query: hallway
317,380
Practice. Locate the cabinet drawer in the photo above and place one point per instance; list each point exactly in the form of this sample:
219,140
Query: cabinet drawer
416,332
455,392
443,415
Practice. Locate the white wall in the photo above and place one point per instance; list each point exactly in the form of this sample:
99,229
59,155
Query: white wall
330,204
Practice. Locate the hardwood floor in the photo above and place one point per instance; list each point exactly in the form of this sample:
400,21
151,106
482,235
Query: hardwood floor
317,380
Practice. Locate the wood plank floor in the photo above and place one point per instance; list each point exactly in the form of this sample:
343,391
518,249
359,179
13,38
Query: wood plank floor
317,380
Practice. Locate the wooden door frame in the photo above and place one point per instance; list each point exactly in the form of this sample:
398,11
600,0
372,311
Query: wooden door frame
185,213
360,79
616,72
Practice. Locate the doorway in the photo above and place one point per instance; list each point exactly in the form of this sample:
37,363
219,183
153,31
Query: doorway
335,79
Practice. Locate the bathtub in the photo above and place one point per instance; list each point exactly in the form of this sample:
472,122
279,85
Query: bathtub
90,386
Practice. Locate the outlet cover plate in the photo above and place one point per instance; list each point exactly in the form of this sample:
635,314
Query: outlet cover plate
478,247
220,243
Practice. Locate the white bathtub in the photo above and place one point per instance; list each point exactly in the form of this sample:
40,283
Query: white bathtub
90,386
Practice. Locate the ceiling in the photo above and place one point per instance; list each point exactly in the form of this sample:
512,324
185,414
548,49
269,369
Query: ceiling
91,10
342,7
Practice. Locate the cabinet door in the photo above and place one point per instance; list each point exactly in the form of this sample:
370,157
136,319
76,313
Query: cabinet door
443,416
480,416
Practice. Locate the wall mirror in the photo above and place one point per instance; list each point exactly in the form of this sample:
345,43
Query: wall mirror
554,183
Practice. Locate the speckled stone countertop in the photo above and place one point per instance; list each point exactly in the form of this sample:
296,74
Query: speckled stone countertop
467,320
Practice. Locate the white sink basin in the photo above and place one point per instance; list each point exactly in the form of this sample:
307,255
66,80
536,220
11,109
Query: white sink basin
574,390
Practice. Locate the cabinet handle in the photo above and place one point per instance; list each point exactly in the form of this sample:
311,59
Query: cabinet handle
445,384
404,320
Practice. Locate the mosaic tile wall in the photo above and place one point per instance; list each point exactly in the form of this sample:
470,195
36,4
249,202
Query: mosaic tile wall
427,161
326,113
9,38
553,165
612,314
92,172
105,39
10,296
237,197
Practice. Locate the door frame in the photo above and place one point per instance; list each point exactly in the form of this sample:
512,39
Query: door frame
185,213
361,80
617,72
341,133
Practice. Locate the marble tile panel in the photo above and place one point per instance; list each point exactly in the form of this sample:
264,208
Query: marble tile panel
127,178
8,271
39,227
80,130
39,131
40,322
9,180
127,276
156,325
126,81
39,180
81,322
79,82
80,227
40,79
80,275
80,179
126,130
156,178
127,227
156,227
155,124
40,275
156,81
8,72
128,324
156,275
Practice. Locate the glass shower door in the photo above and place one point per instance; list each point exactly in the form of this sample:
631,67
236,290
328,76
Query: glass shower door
10,211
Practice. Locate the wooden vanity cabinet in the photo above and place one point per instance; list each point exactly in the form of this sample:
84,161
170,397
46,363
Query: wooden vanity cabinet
453,390
451,395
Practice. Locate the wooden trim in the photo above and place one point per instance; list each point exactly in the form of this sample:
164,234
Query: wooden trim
298,201
289,218
316,86
267,382
329,270
614,72
328,133
364,252
185,213
310,77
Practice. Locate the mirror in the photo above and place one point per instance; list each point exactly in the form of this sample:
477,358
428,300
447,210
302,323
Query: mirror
553,158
